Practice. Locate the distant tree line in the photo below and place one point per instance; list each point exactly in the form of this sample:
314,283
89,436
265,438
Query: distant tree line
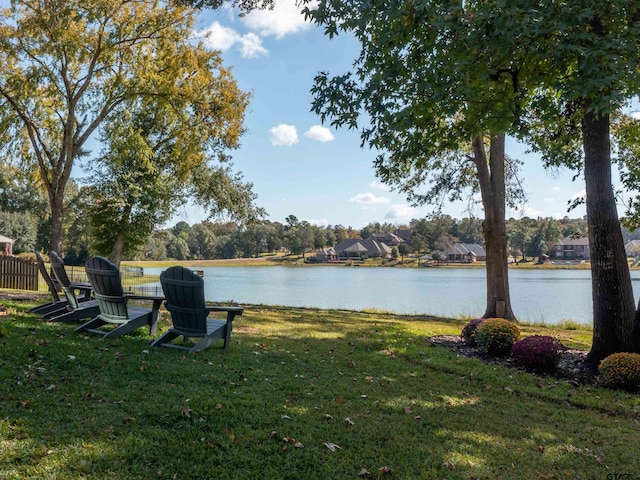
24,217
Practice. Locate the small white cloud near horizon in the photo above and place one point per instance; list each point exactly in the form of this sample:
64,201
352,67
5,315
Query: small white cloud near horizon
319,134
318,222
285,18
399,212
635,115
376,185
283,135
369,199
580,194
219,37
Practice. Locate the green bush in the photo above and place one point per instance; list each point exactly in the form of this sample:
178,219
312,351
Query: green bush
620,370
468,333
496,336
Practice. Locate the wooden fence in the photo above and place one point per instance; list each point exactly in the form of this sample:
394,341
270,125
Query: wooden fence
18,274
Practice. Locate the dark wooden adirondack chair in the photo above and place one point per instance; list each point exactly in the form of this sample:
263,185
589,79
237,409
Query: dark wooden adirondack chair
184,293
78,295
57,305
113,301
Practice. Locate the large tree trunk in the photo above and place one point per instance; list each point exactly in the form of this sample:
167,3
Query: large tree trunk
491,177
613,304
57,212
116,250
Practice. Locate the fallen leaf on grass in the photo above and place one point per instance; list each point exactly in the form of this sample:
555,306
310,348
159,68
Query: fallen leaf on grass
450,465
331,446
50,387
186,412
364,473
272,434
384,470
298,445
128,420
350,422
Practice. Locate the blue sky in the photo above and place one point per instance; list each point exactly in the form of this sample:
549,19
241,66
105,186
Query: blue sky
299,166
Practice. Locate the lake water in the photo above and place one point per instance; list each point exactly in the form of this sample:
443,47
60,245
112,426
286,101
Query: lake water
536,295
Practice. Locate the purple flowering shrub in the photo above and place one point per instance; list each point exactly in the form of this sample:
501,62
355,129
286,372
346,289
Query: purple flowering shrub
496,336
538,353
620,370
468,333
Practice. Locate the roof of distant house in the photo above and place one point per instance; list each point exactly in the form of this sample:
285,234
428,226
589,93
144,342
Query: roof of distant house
466,249
371,246
571,240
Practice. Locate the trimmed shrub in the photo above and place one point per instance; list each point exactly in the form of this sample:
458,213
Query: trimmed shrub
496,336
538,353
620,370
468,333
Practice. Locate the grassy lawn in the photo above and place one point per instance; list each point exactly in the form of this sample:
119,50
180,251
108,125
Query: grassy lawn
300,394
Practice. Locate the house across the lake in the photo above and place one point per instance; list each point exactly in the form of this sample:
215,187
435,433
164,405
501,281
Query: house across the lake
632,248
357,247
466,252
571,248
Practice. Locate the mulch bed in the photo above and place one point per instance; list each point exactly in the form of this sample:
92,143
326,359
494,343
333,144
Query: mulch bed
572,364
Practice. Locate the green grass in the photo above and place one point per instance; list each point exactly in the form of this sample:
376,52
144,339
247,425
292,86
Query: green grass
294,382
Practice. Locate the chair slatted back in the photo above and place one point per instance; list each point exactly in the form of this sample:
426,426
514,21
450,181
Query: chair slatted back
47,278
104,277
184,294
57,265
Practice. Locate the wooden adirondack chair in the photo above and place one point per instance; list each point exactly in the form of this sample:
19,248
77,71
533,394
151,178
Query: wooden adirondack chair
184,293
79,305
57,305
113,301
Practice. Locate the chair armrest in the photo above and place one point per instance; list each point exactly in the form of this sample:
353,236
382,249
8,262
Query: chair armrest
231,311
85,288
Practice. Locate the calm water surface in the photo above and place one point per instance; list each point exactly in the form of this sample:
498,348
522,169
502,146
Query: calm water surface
548,295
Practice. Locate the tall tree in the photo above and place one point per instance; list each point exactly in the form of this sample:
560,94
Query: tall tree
163,150
66,66
437,108
592,54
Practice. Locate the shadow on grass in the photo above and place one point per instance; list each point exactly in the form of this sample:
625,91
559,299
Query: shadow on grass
299,394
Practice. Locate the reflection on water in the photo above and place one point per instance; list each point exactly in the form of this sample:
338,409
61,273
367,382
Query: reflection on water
548,295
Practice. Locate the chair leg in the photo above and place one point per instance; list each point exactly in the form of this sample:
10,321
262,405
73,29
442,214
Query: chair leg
165,338
129,326
92,325
204,343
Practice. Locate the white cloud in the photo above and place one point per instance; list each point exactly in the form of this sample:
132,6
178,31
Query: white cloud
285,18
319,134
283,135
379,186
399,212
369,199
580,194
635,115
532,212
318,222
219,37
